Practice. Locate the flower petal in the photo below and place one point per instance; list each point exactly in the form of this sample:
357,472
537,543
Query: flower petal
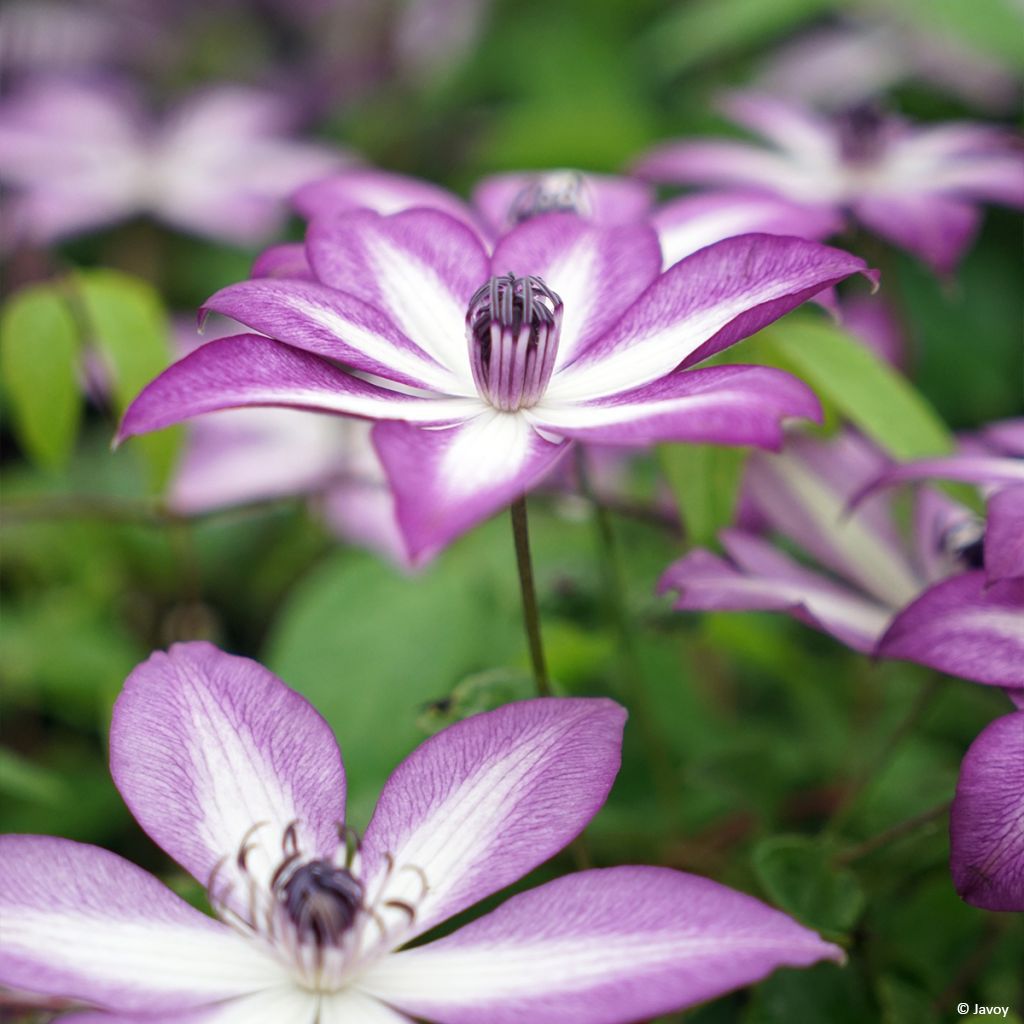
254,454
761,578
964,627
790,126
597,272
803,494
285,260
693,222
480,804
310,316
81,923
212,751
935,227
420,268
250,370
450,479
1004,534
602,198
719,405
986,824
599,947
736,165
703,304
380,191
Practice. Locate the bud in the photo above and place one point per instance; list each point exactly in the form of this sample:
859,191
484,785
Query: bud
556,192
513,325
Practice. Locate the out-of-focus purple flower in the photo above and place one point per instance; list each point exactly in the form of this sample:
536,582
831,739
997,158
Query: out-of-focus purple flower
246,455
870,319
503,201
80,156
987,818
860,59
241,781
925,600
919,187
489,366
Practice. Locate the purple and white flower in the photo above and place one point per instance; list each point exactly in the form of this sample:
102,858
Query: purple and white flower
81,156
924,598
986,824
485,368
241,781
919,187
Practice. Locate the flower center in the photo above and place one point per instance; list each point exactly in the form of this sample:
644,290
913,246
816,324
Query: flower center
556,192
964,543
322,900
513,325
861,130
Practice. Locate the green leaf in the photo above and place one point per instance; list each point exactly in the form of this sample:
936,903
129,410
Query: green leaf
26,780
797,874
705,480
39,363
128,325
373,649
706,29
863,388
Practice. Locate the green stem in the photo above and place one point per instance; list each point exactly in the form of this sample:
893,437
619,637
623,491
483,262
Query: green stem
894,832
531,615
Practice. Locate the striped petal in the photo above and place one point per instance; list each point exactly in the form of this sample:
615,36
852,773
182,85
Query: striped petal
986,824
597,271
479,805
420,268
965,627
212,752
703,304
83,924
310,316
447,480
599,947
734,405
250,370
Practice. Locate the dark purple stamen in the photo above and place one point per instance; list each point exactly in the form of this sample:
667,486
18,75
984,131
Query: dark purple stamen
965,543
513,325
861,131
557,192
322,901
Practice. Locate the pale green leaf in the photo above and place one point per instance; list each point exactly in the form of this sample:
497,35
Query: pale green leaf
705,480
39,363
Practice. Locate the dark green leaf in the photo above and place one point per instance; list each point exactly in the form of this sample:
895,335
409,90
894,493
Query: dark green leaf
796,874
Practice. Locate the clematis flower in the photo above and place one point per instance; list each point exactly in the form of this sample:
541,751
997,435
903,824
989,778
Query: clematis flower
874,589
987,817
78,157
240,780
917,187
485,369
503,201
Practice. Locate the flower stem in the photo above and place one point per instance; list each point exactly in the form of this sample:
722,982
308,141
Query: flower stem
894,832
531,616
